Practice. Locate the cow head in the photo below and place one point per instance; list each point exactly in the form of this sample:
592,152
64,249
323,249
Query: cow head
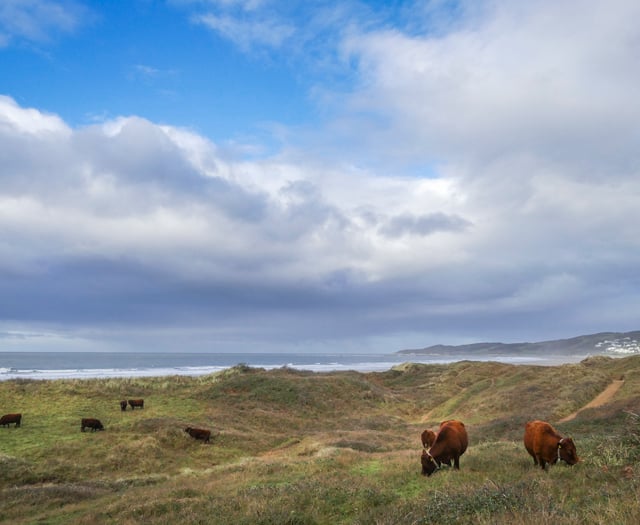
567,451
429,465
123,405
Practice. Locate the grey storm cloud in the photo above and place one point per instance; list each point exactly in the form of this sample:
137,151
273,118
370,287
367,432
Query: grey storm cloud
428,224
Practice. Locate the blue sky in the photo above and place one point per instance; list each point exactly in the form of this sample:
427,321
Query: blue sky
252,175
157,61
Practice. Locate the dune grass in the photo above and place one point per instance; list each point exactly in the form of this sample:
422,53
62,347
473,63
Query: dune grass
292,447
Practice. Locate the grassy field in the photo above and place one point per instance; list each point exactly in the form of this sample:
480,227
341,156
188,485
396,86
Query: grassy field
293,447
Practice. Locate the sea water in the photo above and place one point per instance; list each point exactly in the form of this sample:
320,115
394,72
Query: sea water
78,365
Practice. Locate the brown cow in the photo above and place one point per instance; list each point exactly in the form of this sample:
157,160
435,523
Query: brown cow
7,419
199,433
450,443
123,405
136,403
427,437
546,445
89,422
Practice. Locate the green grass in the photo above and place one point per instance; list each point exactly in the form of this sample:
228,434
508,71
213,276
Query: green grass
303,448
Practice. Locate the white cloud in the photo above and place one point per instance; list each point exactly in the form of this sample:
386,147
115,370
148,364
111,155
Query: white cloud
167,198
246,34
38,20
150,73
15,119
296,32
550,78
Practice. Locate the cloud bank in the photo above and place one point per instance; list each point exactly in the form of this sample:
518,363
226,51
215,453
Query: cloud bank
479,181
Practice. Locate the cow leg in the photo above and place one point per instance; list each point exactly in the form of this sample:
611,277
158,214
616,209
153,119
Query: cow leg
456,462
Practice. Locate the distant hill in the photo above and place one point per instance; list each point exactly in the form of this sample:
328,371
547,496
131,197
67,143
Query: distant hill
607,343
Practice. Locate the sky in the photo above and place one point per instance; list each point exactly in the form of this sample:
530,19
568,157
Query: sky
316,176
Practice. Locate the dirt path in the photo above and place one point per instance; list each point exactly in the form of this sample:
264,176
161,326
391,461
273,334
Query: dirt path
602,398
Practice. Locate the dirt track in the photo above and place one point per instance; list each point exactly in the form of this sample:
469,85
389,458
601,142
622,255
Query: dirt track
602,398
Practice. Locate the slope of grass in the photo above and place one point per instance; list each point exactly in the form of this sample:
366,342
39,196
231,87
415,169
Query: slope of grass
303,448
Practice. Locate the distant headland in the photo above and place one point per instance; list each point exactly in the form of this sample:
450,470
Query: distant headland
607,343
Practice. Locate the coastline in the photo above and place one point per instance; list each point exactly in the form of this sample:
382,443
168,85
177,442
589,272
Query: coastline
60,365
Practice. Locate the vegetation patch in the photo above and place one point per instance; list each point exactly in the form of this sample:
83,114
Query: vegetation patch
343,448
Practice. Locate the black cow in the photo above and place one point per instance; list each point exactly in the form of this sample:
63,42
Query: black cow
7,419
93,424
136,403
199,433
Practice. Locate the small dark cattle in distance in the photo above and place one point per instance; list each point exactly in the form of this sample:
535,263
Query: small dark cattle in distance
93,424
427,437
123,405
546,445
7,419
199,433
133,403
450,443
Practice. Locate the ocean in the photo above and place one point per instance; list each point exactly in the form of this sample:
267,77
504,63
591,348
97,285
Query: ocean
77,365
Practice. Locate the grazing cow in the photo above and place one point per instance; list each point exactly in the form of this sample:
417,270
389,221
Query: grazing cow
93,424
546,445
7,419
199,433
136,403
123,405
427,437
450,443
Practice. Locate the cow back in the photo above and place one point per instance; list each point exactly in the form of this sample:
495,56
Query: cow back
452,439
